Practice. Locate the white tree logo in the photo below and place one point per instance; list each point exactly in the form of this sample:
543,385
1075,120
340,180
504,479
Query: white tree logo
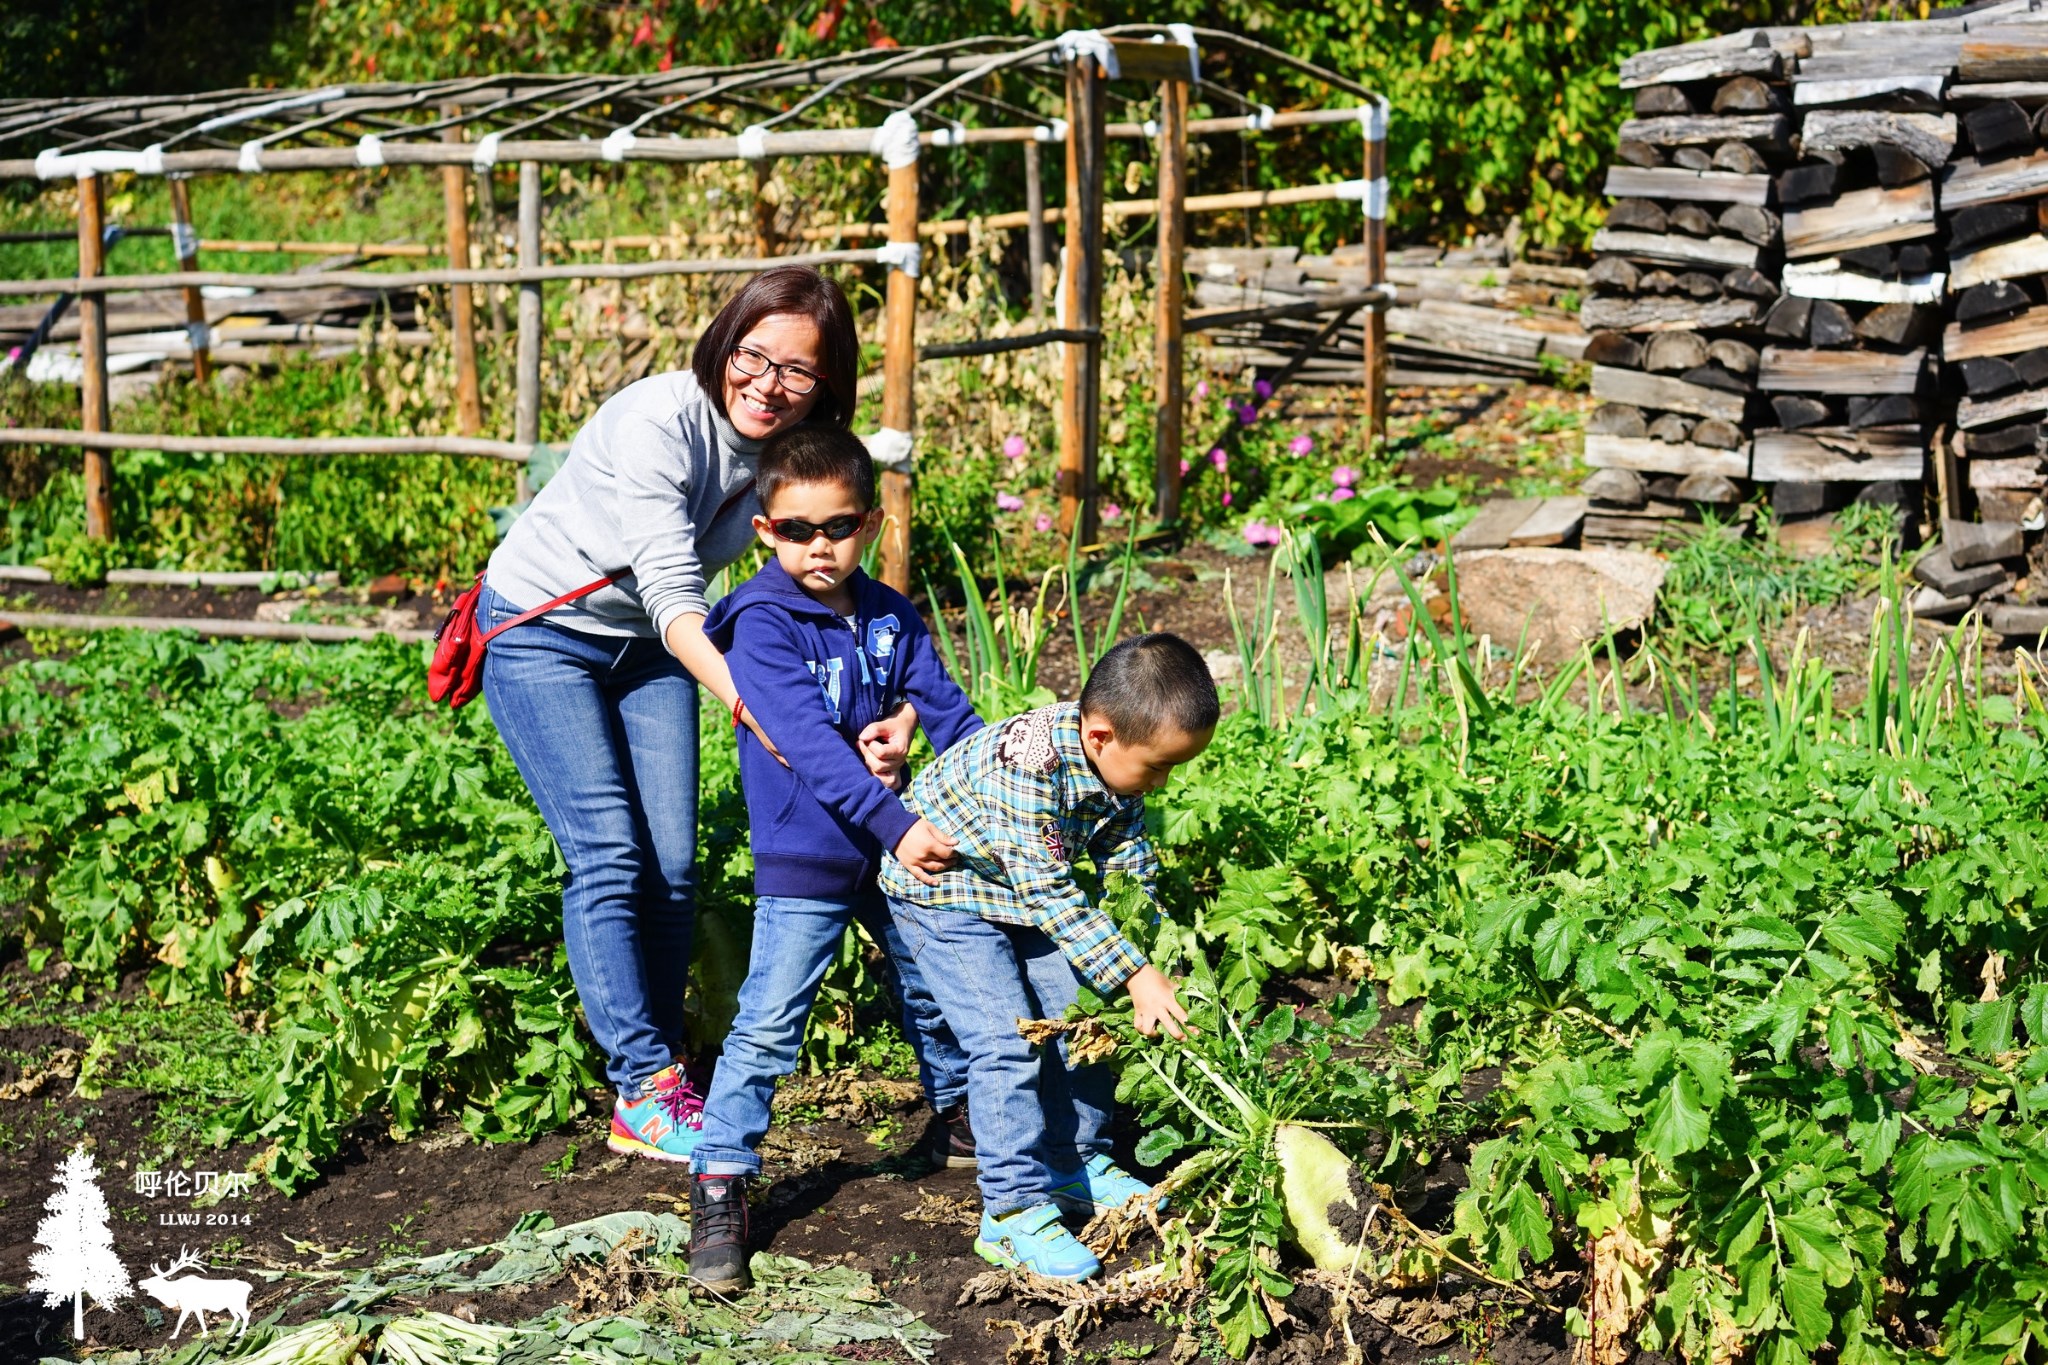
75,1255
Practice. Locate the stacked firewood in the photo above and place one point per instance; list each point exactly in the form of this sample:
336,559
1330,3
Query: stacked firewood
1685,275
1466,315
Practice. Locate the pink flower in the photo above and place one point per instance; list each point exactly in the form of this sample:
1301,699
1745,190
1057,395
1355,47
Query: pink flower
1009,502
1302,444
1044,522
1201,388
1226,498
1259,533
1111,512
1218,458
1263,390
1343,475
1013,447
1340,493
1184,467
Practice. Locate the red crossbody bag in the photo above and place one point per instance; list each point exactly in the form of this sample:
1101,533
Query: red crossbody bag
456,673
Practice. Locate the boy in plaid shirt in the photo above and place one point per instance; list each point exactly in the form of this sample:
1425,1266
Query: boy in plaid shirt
1008,933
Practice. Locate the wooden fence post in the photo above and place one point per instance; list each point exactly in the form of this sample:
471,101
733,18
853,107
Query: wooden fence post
526,401
1171,298
92,349
1034,234
1080,436
469,407
899,374
185,245
487,212
1375,347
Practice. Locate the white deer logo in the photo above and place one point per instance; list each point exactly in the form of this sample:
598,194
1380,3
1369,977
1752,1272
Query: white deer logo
196,1296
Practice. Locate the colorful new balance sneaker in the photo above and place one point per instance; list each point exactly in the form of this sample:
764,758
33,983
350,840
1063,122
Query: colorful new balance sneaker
663,1122
1034,1239
953,1139
1096,1188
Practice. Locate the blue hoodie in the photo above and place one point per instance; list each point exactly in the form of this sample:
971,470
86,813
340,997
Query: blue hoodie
821,825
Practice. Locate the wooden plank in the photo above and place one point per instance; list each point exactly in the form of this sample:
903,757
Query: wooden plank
1967,183
2004,54
1665,394
2000,90
1829,456
1716,57
1825,279
1705,130
1972,413
2022,473
1800,371
2021,333
2006,261
1464,333
1930,137
1553,523
95,410
1667,314
1807,93
1497,520
1861,218
1892,54
1081,306
1665,457
1169,304
1723,252
1674,182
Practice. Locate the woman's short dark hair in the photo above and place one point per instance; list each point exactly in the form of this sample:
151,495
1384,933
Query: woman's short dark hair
797,289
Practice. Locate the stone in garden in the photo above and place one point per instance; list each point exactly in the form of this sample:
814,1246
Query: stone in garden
1224,664
1932,604
2019,619
1971,543
1938,572
1565,598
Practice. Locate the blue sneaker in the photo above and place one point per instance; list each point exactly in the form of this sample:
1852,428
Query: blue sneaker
1033,1239
663,1122
1097,1188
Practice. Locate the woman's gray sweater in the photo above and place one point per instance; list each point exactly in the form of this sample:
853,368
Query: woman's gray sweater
657,484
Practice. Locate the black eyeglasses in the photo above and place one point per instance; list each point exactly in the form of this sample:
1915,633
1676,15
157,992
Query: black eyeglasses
753,365
797,531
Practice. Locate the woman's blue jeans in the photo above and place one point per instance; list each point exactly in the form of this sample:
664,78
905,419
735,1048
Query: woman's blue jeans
604,730
795,941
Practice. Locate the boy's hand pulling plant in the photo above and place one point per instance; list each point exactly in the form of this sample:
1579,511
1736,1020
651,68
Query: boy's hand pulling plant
1154,1005
924,851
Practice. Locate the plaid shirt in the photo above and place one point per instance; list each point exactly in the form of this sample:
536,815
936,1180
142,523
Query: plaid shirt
1022,799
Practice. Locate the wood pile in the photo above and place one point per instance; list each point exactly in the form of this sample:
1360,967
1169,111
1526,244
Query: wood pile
1813,231
1462,316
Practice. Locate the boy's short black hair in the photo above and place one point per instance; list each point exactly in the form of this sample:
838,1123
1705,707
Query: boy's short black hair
816,454
1148,682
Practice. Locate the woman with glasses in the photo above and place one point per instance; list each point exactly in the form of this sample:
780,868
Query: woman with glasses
597,700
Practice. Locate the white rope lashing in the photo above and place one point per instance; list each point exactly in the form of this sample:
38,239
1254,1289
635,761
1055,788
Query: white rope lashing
753,140
890,449
486,154
184,241
903,256
250,160
1077,43
52,164
1260,121
896,140
1371,193
1372,121
617,143
1056,131
1184,34
369,150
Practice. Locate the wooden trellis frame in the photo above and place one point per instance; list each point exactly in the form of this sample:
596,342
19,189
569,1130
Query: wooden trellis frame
474,124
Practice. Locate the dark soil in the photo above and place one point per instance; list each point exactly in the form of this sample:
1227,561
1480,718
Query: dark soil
832,1195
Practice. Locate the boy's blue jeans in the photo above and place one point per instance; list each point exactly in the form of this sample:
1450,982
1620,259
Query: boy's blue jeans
795,940
604,730
1033,1115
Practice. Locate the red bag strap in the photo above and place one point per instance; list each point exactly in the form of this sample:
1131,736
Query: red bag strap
523,617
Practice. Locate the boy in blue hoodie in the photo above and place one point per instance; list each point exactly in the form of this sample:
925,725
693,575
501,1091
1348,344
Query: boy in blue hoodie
817,651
